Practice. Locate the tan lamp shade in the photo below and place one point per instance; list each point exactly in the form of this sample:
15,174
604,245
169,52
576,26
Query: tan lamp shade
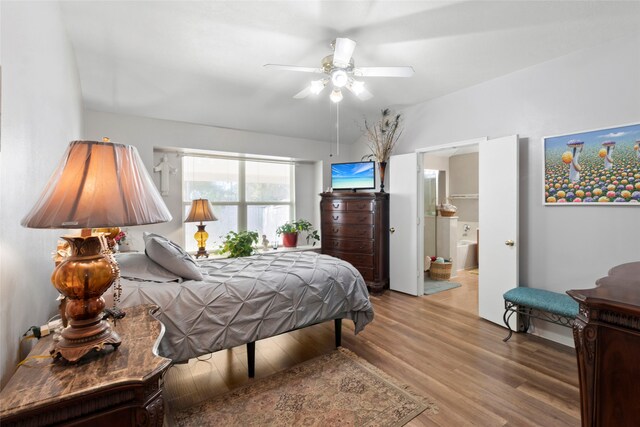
201,211
98,184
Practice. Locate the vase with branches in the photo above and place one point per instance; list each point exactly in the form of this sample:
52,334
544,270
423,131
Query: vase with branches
382,137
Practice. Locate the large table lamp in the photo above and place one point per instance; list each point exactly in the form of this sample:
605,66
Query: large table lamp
201,211
96,185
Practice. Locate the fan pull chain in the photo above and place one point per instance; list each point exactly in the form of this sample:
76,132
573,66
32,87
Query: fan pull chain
338,129
330,114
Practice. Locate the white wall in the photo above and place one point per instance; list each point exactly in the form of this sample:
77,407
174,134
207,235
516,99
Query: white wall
147,134
41,113
463,179
561,248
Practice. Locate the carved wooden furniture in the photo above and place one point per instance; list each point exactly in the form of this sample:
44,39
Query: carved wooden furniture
355,228
121,388
607,336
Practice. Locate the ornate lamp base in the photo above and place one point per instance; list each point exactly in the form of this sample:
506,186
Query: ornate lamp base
83,337
202,252
82,278
201,237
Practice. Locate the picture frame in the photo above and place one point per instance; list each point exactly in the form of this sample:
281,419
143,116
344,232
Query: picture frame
597,167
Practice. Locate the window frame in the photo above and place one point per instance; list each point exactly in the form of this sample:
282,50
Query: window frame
242,203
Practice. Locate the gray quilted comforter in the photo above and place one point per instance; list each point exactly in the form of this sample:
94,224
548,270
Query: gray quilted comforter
247,299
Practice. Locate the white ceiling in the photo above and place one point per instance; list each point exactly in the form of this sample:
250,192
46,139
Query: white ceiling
202,61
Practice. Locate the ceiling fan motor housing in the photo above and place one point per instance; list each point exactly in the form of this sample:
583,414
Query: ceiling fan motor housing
328,65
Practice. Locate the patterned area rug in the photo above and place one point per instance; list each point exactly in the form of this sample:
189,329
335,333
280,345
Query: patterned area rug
336,389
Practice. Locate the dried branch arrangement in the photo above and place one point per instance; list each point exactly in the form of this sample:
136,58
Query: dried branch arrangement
383,135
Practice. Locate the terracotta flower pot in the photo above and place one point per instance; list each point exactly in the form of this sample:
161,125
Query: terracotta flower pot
290,240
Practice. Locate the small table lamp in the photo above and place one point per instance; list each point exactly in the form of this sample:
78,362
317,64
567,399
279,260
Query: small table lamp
201,210
97,184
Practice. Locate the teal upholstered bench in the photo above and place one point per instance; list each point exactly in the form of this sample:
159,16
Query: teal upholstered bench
552,307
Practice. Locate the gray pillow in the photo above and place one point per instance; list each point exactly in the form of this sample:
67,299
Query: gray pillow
171,256
141,267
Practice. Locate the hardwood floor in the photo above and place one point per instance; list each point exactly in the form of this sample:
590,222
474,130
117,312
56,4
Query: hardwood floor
454,357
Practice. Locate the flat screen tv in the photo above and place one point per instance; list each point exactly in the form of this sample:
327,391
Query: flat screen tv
353,176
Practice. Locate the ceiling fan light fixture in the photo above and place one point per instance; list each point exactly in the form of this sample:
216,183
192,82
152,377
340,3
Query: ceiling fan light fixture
339,78
356,87
317,86
336,95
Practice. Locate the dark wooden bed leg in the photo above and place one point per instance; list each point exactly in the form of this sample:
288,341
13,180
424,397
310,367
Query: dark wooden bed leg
251,358
338,326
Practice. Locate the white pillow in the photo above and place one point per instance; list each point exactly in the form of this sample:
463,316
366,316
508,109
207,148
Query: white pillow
171,256
141,267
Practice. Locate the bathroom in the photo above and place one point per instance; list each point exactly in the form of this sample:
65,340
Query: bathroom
451,176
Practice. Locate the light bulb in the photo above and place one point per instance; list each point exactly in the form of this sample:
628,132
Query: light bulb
316,86
339,78
357,87
336,95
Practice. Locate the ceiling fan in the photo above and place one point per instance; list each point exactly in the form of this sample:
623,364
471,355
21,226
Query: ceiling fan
339,69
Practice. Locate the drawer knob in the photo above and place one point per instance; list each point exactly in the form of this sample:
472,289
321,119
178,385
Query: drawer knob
336,230
335,217
336,244
336,205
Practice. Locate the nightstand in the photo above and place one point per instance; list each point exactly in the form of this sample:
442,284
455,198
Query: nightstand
120,388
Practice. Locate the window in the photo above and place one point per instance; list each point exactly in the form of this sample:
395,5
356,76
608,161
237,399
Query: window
250,195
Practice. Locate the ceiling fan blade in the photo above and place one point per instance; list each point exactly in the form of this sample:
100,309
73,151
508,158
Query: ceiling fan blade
359,90
343,52
303,93
365,95
294,68
314,88
383,71
362,93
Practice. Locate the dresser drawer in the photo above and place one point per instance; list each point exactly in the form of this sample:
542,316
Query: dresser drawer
347,230
351,245
359,205
367,273
333,205
348,218
357,260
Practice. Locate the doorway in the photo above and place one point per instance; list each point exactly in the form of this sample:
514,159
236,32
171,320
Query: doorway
498,189
450,243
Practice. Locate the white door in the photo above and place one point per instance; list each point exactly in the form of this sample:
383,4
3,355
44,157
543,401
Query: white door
498,215
404,187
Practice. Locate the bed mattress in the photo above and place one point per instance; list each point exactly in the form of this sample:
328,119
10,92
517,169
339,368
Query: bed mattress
246,299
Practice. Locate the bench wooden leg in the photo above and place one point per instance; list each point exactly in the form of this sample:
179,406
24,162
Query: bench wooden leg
251,358
338,328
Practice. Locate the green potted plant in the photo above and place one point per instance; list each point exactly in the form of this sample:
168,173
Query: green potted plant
290,230
239,244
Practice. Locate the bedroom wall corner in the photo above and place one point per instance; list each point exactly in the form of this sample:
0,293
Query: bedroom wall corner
41,114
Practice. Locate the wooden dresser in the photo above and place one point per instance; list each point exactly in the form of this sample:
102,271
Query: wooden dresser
355,228
120,388
607,337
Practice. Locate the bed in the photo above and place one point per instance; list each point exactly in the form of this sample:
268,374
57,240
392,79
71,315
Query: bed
242,300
